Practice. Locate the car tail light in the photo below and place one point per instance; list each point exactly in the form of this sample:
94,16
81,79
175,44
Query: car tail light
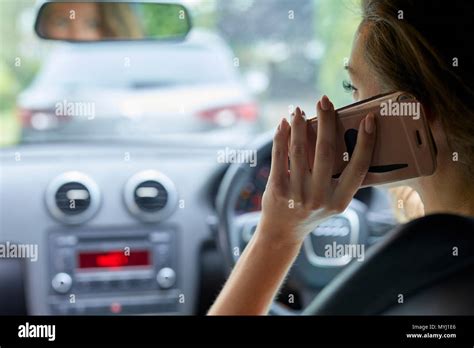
228,115
24,116
39,119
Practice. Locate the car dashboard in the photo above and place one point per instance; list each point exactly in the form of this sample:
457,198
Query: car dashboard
117,229
84,207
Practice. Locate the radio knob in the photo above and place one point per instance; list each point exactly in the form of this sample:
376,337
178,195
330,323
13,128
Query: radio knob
62,283
166,278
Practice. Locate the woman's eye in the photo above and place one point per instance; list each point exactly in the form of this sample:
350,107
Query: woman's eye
348,87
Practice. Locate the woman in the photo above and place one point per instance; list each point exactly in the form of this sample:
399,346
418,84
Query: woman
401,45
89,21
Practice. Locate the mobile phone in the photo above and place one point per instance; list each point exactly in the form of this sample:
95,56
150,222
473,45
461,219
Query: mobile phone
404,147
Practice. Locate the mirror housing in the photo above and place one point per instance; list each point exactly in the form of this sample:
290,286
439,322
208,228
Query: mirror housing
76,21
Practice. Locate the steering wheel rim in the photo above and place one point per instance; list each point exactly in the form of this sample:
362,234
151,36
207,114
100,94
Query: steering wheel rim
311,269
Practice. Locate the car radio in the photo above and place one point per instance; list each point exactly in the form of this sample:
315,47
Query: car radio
113,272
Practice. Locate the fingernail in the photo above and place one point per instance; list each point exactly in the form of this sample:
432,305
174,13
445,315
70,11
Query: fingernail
284,123
325,103
299,113
303,115
280,125
369,123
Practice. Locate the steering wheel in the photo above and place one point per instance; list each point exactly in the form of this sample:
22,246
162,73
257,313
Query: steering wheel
312,270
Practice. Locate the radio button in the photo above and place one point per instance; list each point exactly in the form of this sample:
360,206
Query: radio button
115,284
62,283
104,285
66,240
84,285
115,308
162,253
124,284
166,278
64,260
159,237
61,309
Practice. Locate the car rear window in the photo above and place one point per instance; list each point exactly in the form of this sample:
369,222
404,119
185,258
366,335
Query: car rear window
136,66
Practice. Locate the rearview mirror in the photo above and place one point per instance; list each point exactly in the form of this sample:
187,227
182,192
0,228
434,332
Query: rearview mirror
106,21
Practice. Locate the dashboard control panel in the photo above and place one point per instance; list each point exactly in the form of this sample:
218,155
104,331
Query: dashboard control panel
113,272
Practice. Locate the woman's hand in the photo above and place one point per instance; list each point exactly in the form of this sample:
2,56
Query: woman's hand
296,201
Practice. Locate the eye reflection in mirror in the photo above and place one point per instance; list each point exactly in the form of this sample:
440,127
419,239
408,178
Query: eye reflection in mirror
104,21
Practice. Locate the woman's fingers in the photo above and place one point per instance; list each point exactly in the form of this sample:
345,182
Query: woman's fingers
311,141
279,168
355,172
325,149
315,187
298,157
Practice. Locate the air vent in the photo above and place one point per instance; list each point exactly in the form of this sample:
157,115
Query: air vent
150,196
72,198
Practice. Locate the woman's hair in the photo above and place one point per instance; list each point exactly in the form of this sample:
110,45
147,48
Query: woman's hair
425,48
119,21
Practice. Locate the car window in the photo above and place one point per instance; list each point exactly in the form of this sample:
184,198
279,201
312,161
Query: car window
245,64
154,65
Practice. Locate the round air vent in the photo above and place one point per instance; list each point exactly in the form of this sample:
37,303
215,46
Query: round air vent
150,196
72,198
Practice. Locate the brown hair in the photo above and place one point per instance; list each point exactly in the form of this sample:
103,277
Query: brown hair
119,21
424,47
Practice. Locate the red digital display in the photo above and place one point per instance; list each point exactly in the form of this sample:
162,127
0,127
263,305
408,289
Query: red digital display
114,259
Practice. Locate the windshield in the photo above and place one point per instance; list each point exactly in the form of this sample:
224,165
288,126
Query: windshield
244,64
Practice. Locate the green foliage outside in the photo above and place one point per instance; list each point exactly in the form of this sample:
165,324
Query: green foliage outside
16,71
163,20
